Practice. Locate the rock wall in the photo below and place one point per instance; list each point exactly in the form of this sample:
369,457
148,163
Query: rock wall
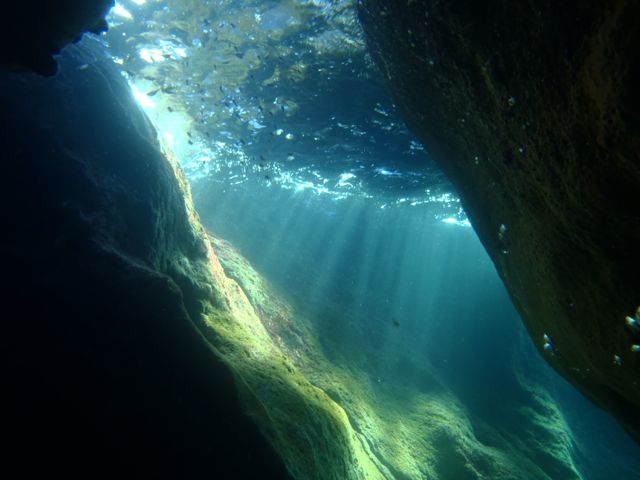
103,369
134,342
32,32
126,346
531,109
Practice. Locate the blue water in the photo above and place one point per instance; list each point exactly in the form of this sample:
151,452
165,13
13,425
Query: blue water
298,157
398,294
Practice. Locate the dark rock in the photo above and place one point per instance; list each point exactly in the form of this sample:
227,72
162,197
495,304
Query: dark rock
103,371
532,110
32,32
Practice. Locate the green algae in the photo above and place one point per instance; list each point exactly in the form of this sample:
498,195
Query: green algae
406,433
335,420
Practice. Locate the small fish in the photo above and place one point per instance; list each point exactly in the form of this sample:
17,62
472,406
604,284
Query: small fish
267,177
151,93
170,109
395,322
632,323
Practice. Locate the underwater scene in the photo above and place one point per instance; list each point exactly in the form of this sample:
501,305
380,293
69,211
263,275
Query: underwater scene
355,251
310,240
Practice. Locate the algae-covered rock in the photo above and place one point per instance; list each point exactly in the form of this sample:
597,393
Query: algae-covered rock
531,109
104,371
397,429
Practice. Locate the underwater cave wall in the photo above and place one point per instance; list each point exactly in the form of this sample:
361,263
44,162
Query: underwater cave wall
531,109
103,369
32,32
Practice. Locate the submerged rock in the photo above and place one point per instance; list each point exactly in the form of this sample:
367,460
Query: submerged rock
396,427
532,110
129,347
136,335
104,277
32,32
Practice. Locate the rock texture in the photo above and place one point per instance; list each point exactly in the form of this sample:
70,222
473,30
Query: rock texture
394,427
32,32
532,111
126,346
103,277
134,342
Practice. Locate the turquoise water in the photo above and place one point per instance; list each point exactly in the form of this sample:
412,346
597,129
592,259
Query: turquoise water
412,301
298,158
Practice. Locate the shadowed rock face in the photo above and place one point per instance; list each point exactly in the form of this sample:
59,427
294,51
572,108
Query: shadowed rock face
103,370
31,32
531,109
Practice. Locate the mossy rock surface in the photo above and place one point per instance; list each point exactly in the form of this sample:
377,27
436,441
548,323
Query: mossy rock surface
318,413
